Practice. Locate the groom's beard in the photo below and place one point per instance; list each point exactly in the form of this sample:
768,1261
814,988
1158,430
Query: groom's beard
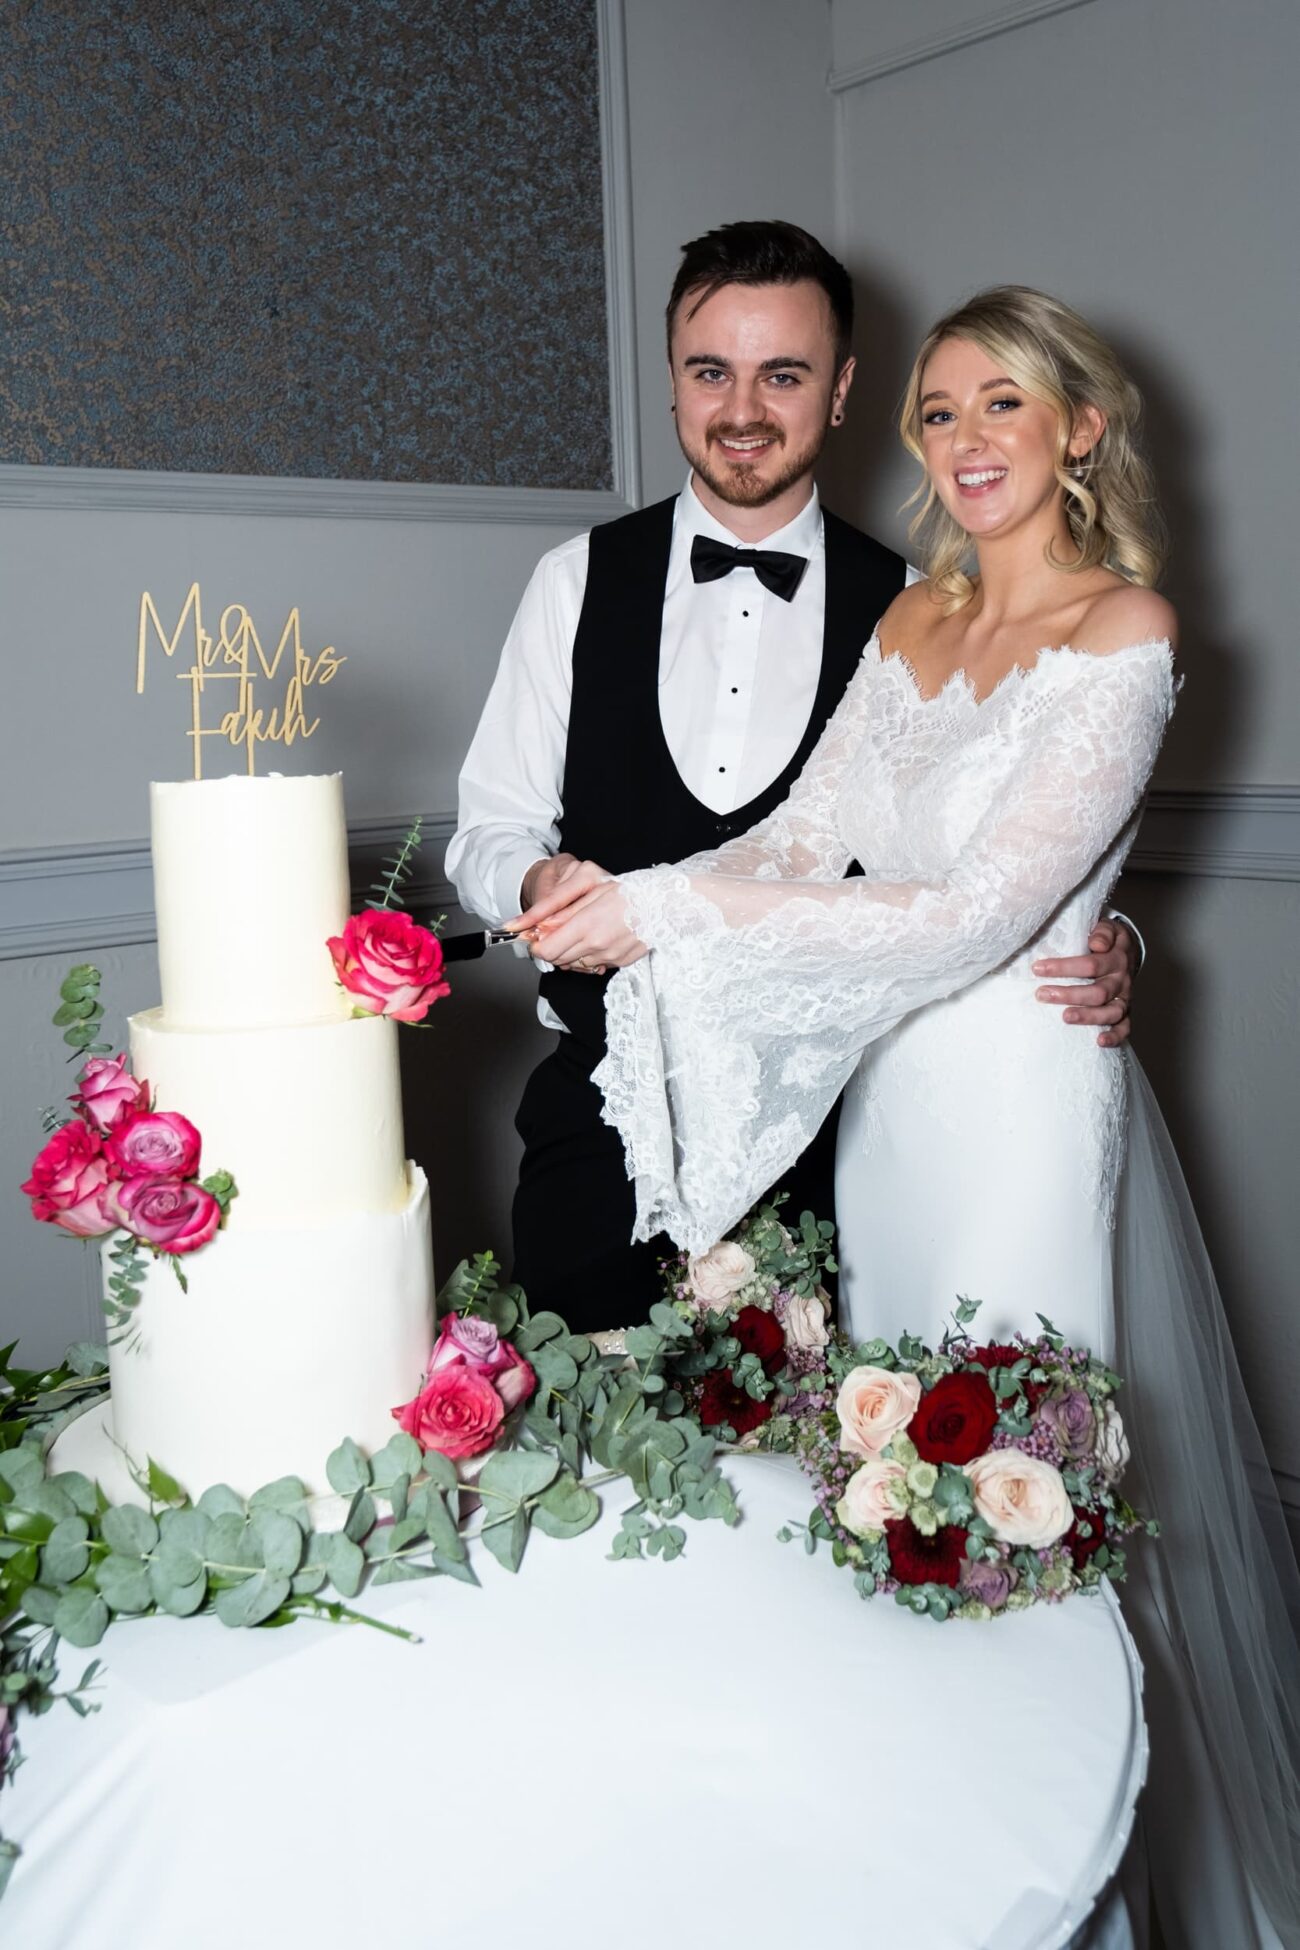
744,483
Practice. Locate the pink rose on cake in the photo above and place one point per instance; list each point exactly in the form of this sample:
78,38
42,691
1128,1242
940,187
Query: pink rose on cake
390,964
107,1092
171,1215
71,1182
155,1144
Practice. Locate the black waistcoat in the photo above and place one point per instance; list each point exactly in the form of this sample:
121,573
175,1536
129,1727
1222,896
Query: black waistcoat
625,803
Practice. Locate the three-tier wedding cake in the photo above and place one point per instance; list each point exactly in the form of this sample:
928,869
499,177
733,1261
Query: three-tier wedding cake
309,1316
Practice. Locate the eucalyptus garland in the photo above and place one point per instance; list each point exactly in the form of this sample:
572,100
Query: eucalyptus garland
71,1562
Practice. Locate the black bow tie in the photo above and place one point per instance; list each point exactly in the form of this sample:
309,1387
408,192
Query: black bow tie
777,571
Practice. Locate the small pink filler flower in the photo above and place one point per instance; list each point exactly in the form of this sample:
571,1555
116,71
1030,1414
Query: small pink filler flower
390,964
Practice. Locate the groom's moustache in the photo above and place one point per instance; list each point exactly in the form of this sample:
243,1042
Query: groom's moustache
756,430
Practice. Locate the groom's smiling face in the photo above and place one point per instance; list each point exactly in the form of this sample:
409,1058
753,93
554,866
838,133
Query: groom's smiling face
756,380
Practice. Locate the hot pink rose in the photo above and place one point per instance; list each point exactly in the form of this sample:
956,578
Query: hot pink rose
175,1217
392,966
155,1144
465,1341
71,1180
107,1092
459,1412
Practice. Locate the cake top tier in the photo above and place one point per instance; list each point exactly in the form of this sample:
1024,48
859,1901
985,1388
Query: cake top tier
250,880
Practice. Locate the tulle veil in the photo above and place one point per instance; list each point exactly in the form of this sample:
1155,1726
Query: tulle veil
1215,1603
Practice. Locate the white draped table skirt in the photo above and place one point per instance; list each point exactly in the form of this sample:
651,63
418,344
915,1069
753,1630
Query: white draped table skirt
730,1748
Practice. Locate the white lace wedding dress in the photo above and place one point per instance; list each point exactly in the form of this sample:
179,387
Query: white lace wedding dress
988,1149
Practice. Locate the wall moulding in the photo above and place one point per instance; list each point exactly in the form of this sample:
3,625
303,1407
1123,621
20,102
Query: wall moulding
121,489
966,34
76,899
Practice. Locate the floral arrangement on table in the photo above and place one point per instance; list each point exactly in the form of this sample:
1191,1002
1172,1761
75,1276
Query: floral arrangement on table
969,1481
387,962
120,1166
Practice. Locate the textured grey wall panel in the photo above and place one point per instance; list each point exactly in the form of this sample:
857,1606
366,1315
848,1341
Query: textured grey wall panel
358,239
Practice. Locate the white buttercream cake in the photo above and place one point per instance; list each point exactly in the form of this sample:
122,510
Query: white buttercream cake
309,1316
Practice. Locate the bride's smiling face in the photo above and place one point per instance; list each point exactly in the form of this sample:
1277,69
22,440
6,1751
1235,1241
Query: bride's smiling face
990,446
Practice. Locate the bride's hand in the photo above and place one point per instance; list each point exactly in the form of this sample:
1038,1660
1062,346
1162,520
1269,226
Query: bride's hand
589,934
577,879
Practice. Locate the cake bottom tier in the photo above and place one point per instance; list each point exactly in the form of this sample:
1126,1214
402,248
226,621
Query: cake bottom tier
286,1342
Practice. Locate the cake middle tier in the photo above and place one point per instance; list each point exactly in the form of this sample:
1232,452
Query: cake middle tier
307,1119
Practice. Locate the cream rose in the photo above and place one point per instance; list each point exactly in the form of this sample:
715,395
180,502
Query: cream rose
1020,1497
873,1405
1112,1443
805,1321
865,1504
718,1274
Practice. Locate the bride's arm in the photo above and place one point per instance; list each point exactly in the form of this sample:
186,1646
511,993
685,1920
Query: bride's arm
731,1041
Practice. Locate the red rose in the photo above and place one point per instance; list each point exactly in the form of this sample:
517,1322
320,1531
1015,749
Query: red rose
1082,1548
391,965
155,1144
955,1420
996,1355
172,1215
107,1092
914,1559
459,1413
760,1334
722,1401
70,1182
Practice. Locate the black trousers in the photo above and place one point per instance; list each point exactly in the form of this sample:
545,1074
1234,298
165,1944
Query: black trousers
574,1208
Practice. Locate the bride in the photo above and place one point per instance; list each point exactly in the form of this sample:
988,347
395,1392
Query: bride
985,769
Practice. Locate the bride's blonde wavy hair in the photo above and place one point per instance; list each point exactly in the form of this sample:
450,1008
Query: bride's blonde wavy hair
1056,355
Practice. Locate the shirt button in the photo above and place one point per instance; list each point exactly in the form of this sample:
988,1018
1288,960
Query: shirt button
735,690
722,768
744,612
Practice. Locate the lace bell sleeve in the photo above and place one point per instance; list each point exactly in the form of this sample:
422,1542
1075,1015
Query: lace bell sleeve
731,1040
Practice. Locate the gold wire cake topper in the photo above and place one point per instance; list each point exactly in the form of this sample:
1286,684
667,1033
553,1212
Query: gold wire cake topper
236,656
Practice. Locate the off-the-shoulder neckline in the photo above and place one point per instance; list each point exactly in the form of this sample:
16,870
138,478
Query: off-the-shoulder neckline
1015,675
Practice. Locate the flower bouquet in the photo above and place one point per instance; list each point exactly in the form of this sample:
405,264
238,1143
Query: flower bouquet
967,1481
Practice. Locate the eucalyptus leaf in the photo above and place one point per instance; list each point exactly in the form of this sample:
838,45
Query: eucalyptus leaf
79,1490
129,1529
439,1469
252,1600
542,1327
67,1551
124,1583
280,1541
286,1494
347,1469
362,1516
402,1570
513,1474
441,1526
81,1617
347,1565
221,1501
506,1539
566,1509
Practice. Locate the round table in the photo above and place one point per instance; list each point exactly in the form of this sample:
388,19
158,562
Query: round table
730,1748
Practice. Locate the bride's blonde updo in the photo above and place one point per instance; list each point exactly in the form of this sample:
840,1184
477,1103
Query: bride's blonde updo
1056,355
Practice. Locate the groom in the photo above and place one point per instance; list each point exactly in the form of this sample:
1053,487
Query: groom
663,683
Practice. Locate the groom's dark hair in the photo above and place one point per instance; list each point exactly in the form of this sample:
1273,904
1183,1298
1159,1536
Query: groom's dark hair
762,253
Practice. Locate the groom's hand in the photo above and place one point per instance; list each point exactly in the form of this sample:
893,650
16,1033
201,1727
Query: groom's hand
1101,983
579,923
544,876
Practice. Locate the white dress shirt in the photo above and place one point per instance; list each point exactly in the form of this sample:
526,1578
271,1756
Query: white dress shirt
738,672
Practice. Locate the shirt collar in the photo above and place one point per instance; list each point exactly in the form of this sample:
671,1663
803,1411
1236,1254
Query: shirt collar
799,536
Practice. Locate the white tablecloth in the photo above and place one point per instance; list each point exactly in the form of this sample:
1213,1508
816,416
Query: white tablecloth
729,1748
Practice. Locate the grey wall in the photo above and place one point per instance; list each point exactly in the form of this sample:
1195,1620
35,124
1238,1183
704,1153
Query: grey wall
1134,157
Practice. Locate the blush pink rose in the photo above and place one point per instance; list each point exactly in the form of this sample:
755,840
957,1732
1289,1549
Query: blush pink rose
71,1182
1021,1498
391,965
866,1505
458,1412
107,1092
155,1144
874,1404
466,1341
171,1215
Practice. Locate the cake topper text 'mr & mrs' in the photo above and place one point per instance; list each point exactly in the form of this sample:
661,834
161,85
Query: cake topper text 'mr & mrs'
236,656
